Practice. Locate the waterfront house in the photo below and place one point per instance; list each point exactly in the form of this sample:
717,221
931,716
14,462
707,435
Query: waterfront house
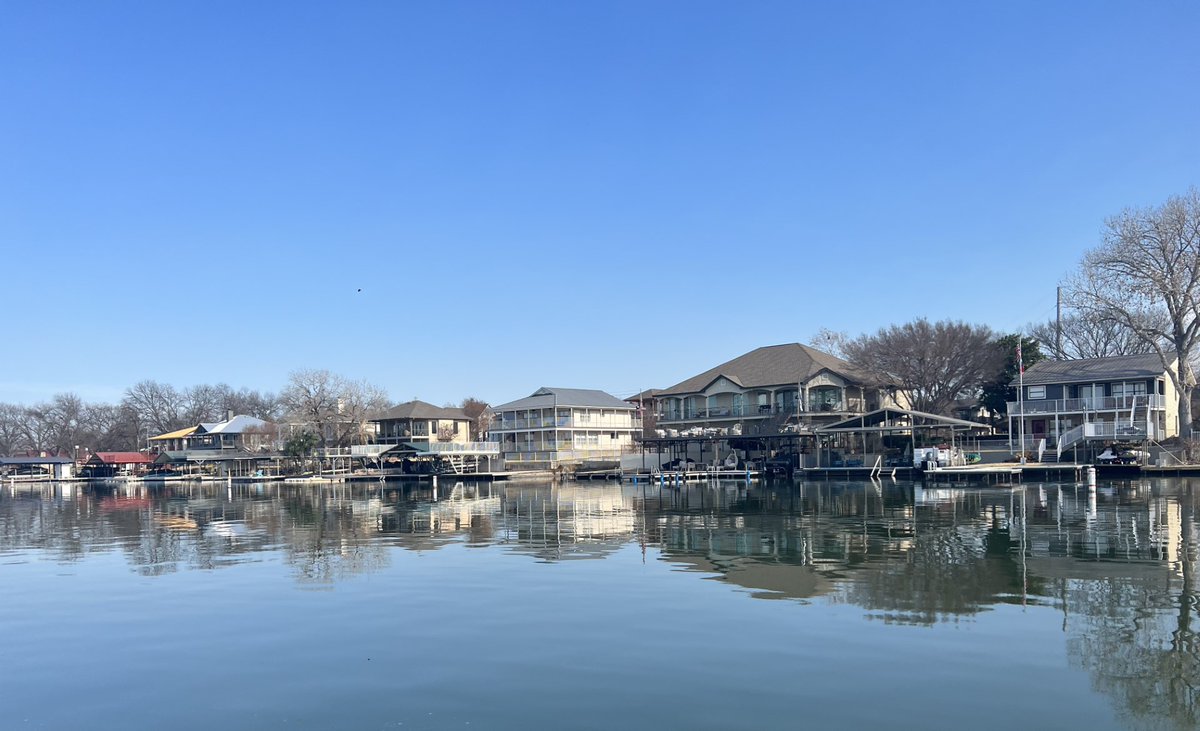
417,422
241,432
562,426
772,389
1073,404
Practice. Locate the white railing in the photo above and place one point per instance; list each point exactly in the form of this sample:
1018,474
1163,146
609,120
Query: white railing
1069,438
1031,444
1122,429
462,447
562,455
1078,405
564,422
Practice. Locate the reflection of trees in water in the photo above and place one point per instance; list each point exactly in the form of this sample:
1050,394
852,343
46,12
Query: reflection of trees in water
329,538
864,544
1136,636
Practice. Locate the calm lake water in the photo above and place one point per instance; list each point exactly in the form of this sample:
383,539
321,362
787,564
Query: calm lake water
816,605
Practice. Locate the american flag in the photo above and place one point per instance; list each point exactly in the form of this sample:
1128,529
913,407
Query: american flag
1020,360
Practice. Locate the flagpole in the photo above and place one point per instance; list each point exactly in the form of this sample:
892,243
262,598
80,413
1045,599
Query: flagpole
1021,397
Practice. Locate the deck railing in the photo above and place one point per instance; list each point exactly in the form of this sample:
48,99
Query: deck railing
1080,405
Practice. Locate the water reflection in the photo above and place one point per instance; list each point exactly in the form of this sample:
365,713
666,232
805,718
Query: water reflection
1118,564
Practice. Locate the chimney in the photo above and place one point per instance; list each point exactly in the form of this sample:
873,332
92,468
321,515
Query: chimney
229,415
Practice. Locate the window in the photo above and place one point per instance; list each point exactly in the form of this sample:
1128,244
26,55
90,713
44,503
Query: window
1129,389
1037,392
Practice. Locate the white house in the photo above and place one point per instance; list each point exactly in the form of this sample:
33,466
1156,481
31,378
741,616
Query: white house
558,426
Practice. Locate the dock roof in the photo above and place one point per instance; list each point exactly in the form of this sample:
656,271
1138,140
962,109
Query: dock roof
878,419
121,458
773,365
17,461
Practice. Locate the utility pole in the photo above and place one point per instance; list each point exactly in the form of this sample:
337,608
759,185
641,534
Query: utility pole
1058,351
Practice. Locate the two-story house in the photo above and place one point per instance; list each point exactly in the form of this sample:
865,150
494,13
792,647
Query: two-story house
558,426
770,389
1093,401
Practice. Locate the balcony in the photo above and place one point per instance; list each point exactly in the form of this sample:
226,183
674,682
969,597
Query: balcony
565,422
1083,405
755,411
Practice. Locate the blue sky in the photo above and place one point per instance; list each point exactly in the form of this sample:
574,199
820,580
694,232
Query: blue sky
585,194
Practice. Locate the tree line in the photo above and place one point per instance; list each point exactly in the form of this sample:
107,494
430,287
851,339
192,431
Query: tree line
331,409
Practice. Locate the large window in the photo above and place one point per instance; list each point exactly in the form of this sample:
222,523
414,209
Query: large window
1137,388
1036,392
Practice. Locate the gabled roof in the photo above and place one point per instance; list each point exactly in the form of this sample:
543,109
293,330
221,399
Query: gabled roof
1088,370
773,365
421,410
237,425
545,398
649,393
177,434
121,458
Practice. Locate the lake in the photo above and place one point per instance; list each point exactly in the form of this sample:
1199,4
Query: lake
823,605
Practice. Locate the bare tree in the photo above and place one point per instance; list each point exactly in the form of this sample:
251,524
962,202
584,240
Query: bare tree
157,405
480,414
1087,337
334,407
12,433
1145,275
202,403
260,405
932,364
829,341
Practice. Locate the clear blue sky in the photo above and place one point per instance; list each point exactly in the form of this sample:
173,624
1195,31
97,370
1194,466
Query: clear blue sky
586,194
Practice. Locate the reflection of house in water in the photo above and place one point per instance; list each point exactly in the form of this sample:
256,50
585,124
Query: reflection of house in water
432,515
568,521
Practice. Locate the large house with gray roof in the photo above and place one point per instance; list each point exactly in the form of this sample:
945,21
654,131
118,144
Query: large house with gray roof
772,389
555,427
1073,403
419,423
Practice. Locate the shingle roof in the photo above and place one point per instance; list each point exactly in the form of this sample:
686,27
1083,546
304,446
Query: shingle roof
773,365
649,393
549,397
422,410
1088,370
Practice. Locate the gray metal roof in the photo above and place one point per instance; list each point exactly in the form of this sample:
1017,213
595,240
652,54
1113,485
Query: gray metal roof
545,398
14,461
1089,370
422,410
237,425
773,365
